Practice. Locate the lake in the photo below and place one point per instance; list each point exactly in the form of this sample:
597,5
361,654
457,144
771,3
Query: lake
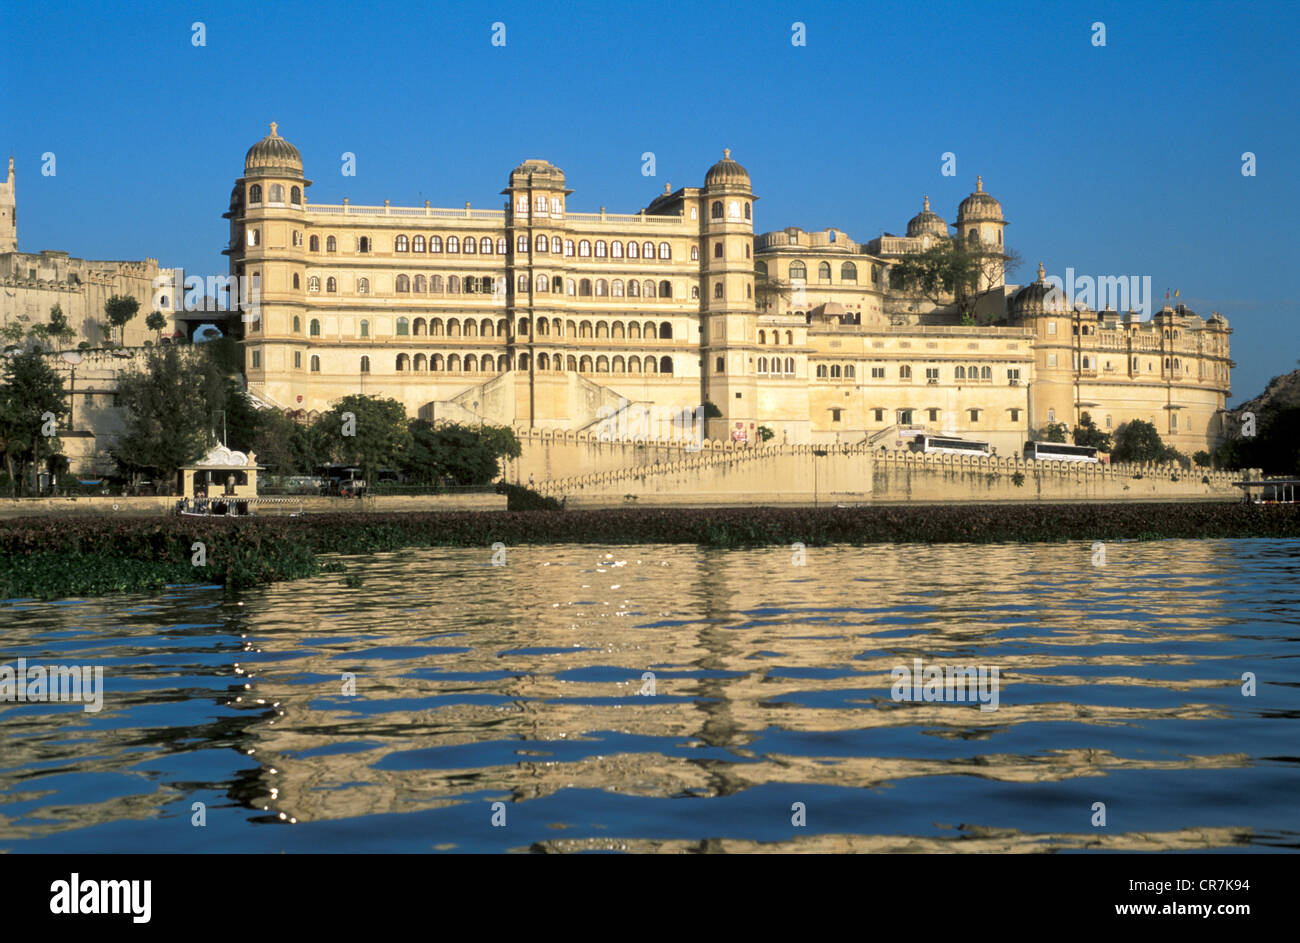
667,698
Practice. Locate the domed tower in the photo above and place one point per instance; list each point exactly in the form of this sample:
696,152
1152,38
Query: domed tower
268,238
728,310
927,223
980,223
1041,307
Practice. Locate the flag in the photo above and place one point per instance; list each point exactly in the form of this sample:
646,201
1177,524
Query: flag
1166,294
1175,292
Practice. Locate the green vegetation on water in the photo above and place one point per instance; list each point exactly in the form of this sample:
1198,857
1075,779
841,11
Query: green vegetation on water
60,557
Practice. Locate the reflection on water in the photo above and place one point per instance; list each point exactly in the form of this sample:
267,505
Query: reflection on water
523,685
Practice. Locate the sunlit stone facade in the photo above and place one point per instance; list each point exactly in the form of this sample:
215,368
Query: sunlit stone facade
533,315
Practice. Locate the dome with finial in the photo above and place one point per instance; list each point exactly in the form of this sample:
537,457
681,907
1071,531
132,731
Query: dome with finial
927,222
727,172
1037,297
534,172
979,205
271,156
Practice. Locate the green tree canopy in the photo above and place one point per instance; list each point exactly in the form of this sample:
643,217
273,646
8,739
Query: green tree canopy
376,436
119,309
1088,435
1138,441
31,390
467,455
156,322
167,412
1053,432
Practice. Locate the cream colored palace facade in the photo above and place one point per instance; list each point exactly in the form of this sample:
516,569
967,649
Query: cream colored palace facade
536,316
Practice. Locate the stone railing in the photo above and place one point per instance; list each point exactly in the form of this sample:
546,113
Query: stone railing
348,209
711,455
637,218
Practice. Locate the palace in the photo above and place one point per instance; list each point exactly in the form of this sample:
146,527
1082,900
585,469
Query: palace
536,316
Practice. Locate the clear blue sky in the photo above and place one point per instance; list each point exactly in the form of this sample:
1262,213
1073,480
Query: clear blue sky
1117,160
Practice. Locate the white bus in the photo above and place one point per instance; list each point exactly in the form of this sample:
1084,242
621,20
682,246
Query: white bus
945,445
1059,452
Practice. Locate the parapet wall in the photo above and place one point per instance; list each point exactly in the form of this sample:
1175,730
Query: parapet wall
907,476
549,454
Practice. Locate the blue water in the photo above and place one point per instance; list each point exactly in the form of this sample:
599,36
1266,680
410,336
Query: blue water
515,693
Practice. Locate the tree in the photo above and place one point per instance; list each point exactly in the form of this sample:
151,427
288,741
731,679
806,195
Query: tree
1138,441
949,272
1053,432
59,327
765,434
31,391
119,309
156,322
1088,435
365,431
462,454
168,417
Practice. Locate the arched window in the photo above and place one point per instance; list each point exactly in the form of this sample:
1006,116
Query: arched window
417,244
973,237
403,327
616,249
435,283
601,249
762,364
633,250
835,370
647,250
419,327
401,244
665,331
313,283
543,283
295,196
295,280
521,243
584,288
297,324
821,371
905,372
453,327
255,193
521,284
276,193
557,246
602,364
717,290
634,288
363,285
315,364
453,244
717,249
716,211
584,365
986,373
331,244
584,248
649,331
543,361
331,284
849,272
314,243
365,364
421,363
695,253
616,330
665,289
798,270
470,327
666,364
634,331
665,251
363,244
403,363
824,272
419,284
453,284
616,288
602,288
570,287
849,371
502,245
648,289
960,373
789,365
540,243
453,363
470,247
403,283
747,211
435,243
568,247
762,337
365,328
695,292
